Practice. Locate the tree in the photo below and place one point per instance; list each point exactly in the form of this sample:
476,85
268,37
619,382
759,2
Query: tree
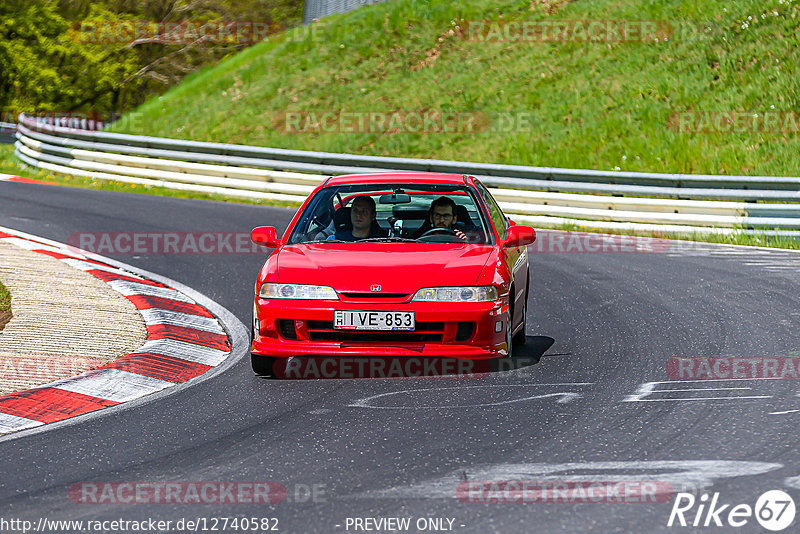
78,55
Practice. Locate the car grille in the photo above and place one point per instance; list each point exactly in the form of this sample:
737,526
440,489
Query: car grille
426,332
374,296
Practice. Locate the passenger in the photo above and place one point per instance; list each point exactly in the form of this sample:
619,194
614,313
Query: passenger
363,222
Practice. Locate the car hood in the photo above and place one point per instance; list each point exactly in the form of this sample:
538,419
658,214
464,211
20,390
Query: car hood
396,267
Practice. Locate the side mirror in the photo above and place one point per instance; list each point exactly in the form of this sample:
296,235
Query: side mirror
520,236
265,236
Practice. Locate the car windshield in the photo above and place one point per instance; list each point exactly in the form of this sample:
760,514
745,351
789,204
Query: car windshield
424,213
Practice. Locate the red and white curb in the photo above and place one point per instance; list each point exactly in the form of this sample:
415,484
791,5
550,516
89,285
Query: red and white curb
184,341
20,179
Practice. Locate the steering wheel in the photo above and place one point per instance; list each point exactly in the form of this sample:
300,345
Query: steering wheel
438,231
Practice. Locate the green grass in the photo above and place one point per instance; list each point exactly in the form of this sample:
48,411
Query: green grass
593,105
5,299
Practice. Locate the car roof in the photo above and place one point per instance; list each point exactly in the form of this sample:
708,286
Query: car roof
395,177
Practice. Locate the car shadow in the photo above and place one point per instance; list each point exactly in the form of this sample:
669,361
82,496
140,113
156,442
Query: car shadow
407,367
526,355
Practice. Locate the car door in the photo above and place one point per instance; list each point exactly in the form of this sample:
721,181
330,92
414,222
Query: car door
515,258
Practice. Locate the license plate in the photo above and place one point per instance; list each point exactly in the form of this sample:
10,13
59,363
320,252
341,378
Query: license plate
373,320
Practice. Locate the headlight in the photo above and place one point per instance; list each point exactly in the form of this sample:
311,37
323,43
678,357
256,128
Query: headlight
297,291
457,294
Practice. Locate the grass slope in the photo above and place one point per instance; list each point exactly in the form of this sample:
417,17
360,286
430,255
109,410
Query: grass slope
593,105
5,305
5,298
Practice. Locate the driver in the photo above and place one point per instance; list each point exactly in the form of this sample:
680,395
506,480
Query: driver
443,215
362,217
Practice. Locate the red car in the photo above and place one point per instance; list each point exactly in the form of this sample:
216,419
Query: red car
405,264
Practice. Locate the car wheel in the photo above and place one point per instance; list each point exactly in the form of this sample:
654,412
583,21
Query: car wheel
520,338
262,365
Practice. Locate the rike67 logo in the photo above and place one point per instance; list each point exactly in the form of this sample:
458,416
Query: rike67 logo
774,510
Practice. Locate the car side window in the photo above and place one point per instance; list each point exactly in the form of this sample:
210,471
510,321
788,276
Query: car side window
499,220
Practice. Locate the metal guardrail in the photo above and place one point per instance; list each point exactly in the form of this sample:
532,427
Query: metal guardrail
7,131
539,195
524,177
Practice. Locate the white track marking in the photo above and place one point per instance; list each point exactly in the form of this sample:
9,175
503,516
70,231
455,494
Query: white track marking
112,384
89,266
649,388
784,413
713,252
185,351
771,260
30,245
563,397
682,475
199,322
780,265
792,482
703,399
134,288
12,423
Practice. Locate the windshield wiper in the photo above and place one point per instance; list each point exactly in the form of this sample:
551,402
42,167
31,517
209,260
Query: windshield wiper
371,239
388,240
310,241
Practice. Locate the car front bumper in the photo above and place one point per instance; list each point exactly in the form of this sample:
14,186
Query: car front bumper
474,330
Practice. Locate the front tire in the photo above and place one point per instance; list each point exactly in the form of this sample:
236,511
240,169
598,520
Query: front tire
262,365
520,338
510,326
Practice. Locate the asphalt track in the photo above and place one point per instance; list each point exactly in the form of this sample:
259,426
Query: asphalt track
614,320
